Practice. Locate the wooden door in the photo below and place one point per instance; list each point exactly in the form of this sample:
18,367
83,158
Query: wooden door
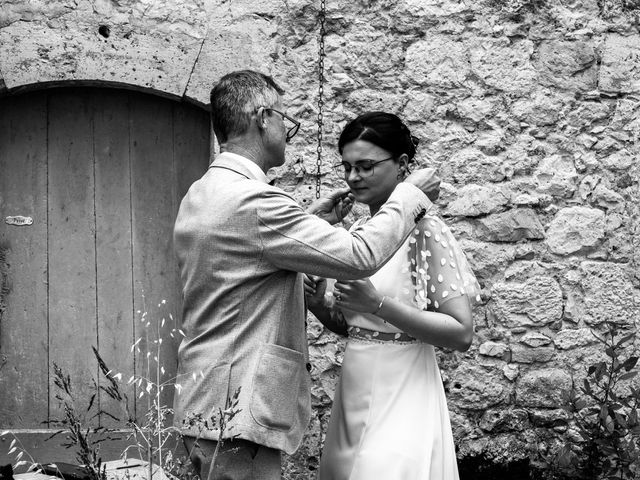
100,173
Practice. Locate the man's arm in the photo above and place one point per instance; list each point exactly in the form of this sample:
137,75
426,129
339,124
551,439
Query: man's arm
338,203
294,240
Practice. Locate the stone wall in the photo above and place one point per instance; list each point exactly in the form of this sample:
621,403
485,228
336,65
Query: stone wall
528,108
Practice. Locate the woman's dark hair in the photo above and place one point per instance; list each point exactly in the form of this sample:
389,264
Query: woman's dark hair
383,129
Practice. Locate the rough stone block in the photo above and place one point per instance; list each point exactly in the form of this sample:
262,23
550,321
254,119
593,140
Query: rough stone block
474,200
620,65
420,8
494,349
486,258
503,66
524,354
470,165
504,420
437,62
549,418
511,371
536,302
541,108
475,109
475,388
567,65
609,294
607,199
574,338
510,226
556,175
419,107
546,388
574,229
535,339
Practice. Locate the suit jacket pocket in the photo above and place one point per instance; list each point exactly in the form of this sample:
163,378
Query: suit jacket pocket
276,386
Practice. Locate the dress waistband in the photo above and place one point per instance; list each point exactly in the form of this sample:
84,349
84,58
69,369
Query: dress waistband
359,333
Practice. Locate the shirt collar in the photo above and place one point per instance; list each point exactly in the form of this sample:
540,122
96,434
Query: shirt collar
253,168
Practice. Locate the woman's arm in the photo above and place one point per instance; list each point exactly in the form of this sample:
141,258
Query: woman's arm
450,327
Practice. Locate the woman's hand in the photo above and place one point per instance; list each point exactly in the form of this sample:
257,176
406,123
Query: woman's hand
357,295
314,289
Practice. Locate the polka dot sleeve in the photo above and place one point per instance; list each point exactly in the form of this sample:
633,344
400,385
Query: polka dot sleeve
439,269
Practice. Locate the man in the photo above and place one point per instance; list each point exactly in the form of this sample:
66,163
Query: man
240,243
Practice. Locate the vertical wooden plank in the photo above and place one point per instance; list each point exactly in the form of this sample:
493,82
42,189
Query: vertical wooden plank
191,145
72,289
23,262
153,193
113,241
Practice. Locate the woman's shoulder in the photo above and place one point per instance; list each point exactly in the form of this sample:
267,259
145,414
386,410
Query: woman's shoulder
432,225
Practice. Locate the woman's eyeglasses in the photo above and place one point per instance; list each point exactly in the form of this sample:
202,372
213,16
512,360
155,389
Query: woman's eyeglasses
363,168
291,131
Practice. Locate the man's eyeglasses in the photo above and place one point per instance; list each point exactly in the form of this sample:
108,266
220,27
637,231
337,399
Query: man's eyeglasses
363,168
291,131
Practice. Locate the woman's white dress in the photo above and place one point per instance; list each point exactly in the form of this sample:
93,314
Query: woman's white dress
389,418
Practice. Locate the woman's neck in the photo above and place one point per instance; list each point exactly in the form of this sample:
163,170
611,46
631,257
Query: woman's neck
375,207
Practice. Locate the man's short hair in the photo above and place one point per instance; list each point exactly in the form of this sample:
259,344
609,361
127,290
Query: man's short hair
236,97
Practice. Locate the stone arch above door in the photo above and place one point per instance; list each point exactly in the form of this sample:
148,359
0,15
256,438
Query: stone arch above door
175,49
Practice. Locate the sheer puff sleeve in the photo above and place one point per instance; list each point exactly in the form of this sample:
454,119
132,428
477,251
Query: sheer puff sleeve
439,269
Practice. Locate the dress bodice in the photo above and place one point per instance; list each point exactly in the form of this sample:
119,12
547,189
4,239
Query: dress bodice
428,270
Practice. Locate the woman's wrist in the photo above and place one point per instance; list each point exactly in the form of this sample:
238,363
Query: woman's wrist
379,306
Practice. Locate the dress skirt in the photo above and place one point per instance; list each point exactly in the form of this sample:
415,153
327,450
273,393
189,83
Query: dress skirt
398,426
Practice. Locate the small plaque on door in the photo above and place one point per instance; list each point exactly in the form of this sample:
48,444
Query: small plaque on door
18,220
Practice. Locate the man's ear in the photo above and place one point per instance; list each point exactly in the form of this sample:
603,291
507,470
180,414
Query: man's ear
260,119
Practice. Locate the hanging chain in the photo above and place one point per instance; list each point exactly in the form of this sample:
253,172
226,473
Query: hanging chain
321,56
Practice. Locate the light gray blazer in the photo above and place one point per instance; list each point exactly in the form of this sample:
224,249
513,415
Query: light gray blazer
240,243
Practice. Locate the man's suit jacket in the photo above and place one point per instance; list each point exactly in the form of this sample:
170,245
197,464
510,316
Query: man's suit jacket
240,243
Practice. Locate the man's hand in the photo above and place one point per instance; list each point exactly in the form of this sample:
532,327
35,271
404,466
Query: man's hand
334,207
314,289
427,181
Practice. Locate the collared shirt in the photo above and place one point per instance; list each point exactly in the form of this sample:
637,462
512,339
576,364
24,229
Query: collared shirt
255,170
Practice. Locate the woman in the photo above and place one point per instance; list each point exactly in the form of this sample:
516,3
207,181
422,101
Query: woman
389,418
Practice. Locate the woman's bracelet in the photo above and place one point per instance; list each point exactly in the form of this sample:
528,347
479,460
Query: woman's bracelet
379,305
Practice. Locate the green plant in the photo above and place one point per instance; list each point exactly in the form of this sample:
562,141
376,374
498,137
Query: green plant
606,415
